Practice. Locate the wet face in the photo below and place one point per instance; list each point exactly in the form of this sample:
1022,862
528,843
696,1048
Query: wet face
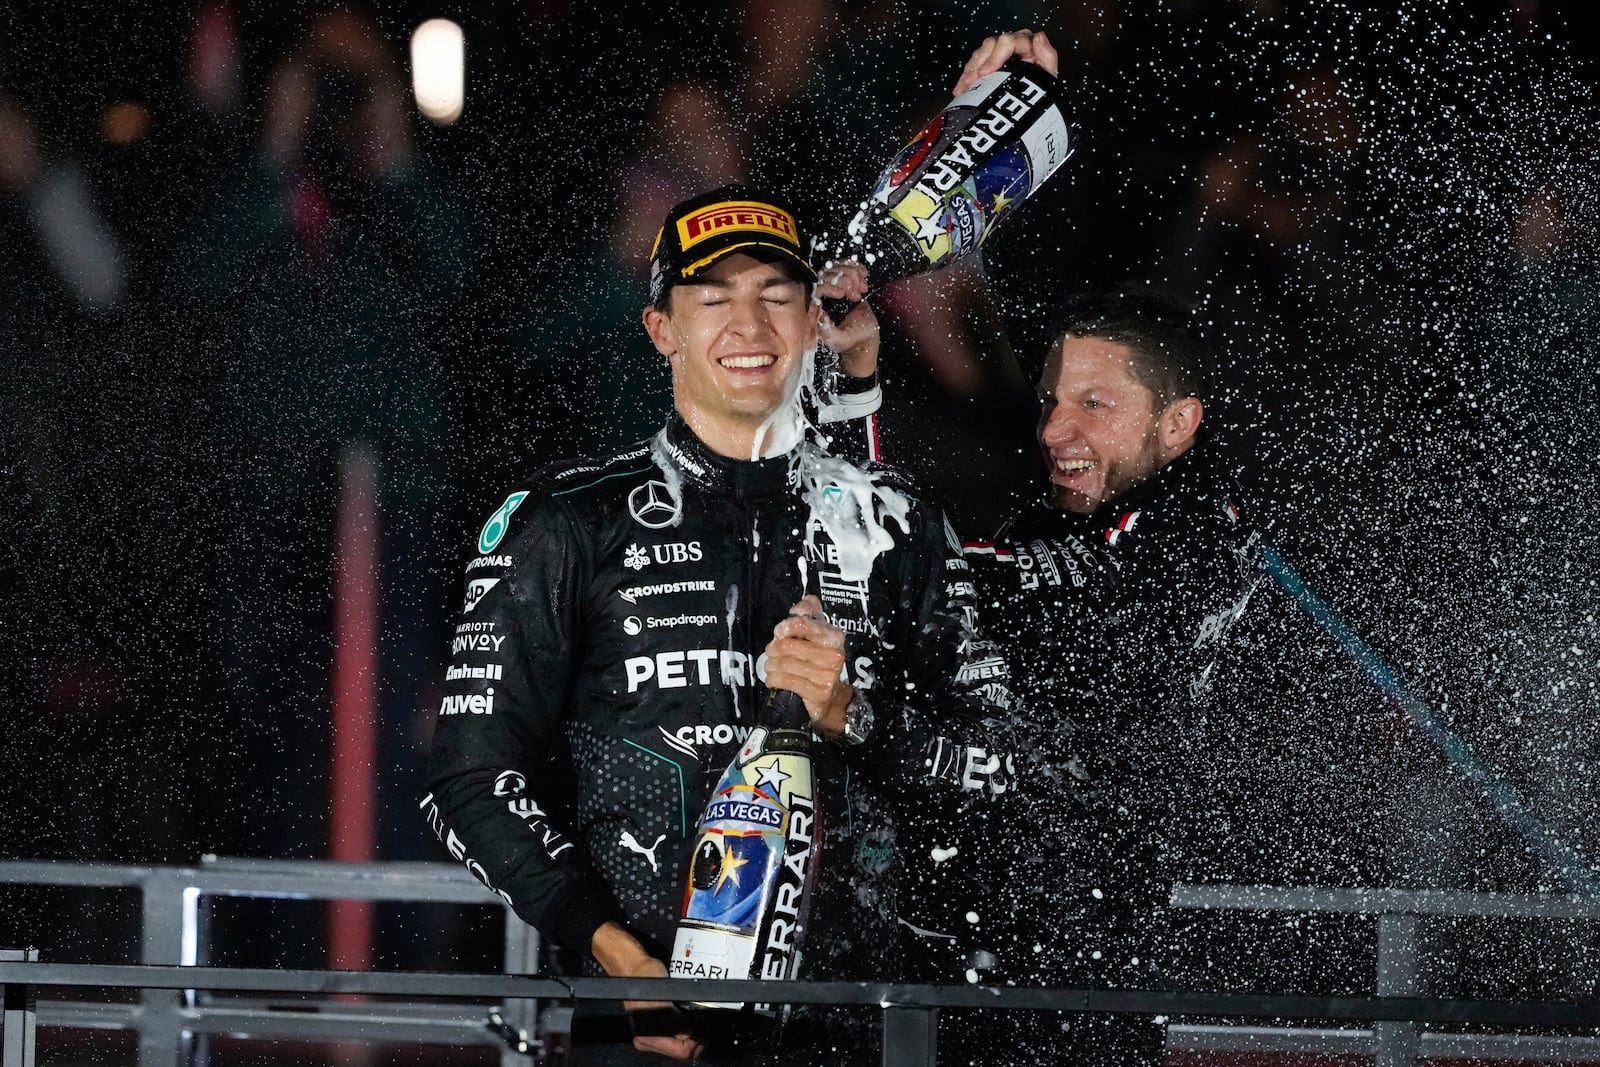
734,337
1099,428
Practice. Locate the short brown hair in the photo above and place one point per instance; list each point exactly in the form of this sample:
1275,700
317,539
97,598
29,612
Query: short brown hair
1170,353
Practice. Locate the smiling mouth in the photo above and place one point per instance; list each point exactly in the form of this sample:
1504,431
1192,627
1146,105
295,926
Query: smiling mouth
1071,466
747,362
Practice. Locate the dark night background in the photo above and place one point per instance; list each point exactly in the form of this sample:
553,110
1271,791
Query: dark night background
1387,220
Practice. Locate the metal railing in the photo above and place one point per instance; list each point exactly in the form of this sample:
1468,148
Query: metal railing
173,932
909,1010
1397,914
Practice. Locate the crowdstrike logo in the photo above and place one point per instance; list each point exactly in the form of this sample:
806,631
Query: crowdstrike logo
685,739
634,592
654,506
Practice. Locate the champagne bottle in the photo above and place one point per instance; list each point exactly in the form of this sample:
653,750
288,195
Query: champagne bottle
966,172
756,851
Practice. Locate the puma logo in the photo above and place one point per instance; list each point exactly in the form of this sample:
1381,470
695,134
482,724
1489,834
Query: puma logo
632,845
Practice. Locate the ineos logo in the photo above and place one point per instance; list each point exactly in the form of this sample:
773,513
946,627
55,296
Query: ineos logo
654,506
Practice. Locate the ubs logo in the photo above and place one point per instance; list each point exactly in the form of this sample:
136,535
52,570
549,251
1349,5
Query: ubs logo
654,506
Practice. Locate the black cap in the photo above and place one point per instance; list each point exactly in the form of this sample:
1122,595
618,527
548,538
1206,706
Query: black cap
734,218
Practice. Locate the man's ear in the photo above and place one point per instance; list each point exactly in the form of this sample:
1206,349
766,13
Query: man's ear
1179,424
658,324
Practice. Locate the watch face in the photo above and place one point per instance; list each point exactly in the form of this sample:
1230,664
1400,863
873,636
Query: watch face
857,719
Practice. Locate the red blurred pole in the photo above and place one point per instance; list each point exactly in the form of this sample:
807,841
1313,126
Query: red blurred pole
353,774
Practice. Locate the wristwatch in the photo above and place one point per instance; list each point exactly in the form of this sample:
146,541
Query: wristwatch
857,719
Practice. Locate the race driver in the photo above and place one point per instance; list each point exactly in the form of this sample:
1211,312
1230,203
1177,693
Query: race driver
626,614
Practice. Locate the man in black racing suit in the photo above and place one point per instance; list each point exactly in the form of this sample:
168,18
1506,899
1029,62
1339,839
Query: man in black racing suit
1110,599
623,612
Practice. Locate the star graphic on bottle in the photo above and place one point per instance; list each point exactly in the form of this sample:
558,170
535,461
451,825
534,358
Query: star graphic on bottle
773,776
731,862
930,228
1002,201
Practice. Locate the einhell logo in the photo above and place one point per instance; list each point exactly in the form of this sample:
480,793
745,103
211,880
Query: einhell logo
741,214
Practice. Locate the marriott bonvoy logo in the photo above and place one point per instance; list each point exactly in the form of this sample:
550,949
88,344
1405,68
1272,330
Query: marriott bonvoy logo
744,214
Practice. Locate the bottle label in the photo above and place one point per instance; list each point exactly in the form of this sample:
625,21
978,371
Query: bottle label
745,905
962,175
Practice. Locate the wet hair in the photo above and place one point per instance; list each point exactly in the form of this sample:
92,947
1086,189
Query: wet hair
1170,354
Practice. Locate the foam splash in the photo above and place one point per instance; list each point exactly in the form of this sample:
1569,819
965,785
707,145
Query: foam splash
844,500
732,604
670,474
780,431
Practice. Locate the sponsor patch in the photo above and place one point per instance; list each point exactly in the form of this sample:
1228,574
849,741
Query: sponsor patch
510,784
982,670
741,214
634,593
489,672
476,589
695,666
637,558
654,506
1125,524
475,642
476,704
494,530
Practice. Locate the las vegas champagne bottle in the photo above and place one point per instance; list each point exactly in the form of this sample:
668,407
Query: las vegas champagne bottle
756,852
965,173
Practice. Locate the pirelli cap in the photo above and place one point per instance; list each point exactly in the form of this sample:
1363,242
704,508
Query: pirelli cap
734,218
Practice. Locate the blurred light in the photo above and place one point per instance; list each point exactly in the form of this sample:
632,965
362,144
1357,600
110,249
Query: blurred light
125,122
214,57
438,70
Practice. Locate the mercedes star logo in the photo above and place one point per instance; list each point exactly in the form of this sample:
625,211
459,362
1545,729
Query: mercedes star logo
654,506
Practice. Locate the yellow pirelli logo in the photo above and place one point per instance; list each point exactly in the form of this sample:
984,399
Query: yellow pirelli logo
735,214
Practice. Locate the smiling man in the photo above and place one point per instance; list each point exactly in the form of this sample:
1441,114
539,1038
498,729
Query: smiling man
626,615
1111,417
1110,597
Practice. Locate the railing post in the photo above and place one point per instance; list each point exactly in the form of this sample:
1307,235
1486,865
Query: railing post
1398,1042
910,1036
161,941
21,1022
522,957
